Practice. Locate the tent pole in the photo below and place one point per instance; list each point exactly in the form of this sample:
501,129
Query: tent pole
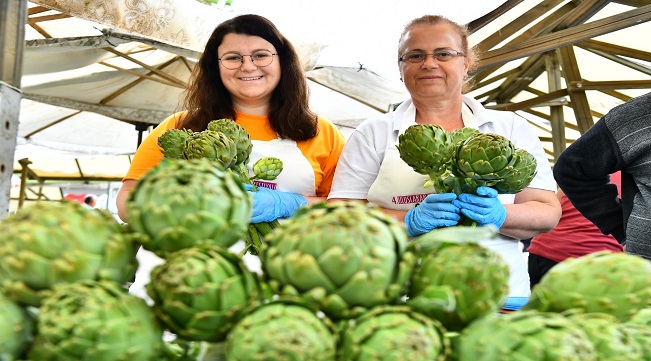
24,163
13,16
141,127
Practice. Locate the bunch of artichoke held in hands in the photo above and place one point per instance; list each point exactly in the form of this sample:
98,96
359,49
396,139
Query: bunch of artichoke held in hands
229,145
464,159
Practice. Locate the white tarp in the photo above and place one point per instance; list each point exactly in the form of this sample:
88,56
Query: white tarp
347,47
346,41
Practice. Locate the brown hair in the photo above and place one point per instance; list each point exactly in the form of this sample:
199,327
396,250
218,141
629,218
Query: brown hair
461,30
207,98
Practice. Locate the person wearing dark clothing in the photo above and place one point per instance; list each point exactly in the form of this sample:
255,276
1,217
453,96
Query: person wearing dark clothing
573,236
619,141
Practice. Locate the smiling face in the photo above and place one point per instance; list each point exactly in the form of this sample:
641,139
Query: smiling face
249,85
432,79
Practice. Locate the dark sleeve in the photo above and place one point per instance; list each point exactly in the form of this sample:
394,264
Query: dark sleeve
583,171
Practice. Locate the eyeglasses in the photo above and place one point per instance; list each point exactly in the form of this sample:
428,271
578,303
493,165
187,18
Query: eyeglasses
234,61
416,57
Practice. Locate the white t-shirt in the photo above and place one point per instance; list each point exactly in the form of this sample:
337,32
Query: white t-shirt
364,150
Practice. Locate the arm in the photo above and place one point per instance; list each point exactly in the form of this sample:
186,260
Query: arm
534,211
123,196
583,171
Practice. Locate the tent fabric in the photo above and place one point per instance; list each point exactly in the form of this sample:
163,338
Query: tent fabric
179,22
94,82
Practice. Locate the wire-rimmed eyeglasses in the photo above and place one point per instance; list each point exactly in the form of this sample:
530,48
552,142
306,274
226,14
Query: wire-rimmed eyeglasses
260,58
442,55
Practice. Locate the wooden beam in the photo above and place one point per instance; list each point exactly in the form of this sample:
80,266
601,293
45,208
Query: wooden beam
618,95
579,100
129,115
496,78
543,26
488,18
37,10
517,25
615,49
147,66
57,121
609,85
625,62
634,3
38,19
557,119
531,69
532,103
144,76
141,78
534,66
566,37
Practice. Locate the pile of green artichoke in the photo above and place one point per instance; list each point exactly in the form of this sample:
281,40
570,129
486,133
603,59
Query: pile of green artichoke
464,159
63,276
339,282
51,243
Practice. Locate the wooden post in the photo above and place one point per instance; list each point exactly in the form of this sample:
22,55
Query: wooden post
13,15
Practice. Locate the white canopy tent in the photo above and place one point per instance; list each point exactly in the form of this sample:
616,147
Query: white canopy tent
99,73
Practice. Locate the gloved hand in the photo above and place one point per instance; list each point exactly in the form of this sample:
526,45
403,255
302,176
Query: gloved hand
269,205
484,208
434,212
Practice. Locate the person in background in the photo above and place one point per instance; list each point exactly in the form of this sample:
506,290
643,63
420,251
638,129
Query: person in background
434,60
619,141
574,236
251,73
90,201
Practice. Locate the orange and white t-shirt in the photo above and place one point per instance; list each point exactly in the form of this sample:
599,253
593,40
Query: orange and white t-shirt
308,166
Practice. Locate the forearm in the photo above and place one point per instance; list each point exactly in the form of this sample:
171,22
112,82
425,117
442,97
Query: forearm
315,200
122,197
526,220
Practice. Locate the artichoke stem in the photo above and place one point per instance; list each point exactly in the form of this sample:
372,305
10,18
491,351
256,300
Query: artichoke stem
253,241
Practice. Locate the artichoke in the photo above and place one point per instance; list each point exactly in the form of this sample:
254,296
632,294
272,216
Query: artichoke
615,283
343,258
172,142
211,145
642,334
522,336
200,292
282,330
180,203
393,333
49,243
15,329
457,280
491,160
459,135
95,321
267,168
425,148
642,317
612,340
237,134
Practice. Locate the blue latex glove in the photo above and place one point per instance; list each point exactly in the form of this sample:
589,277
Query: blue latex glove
434,212
269,205
483,208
